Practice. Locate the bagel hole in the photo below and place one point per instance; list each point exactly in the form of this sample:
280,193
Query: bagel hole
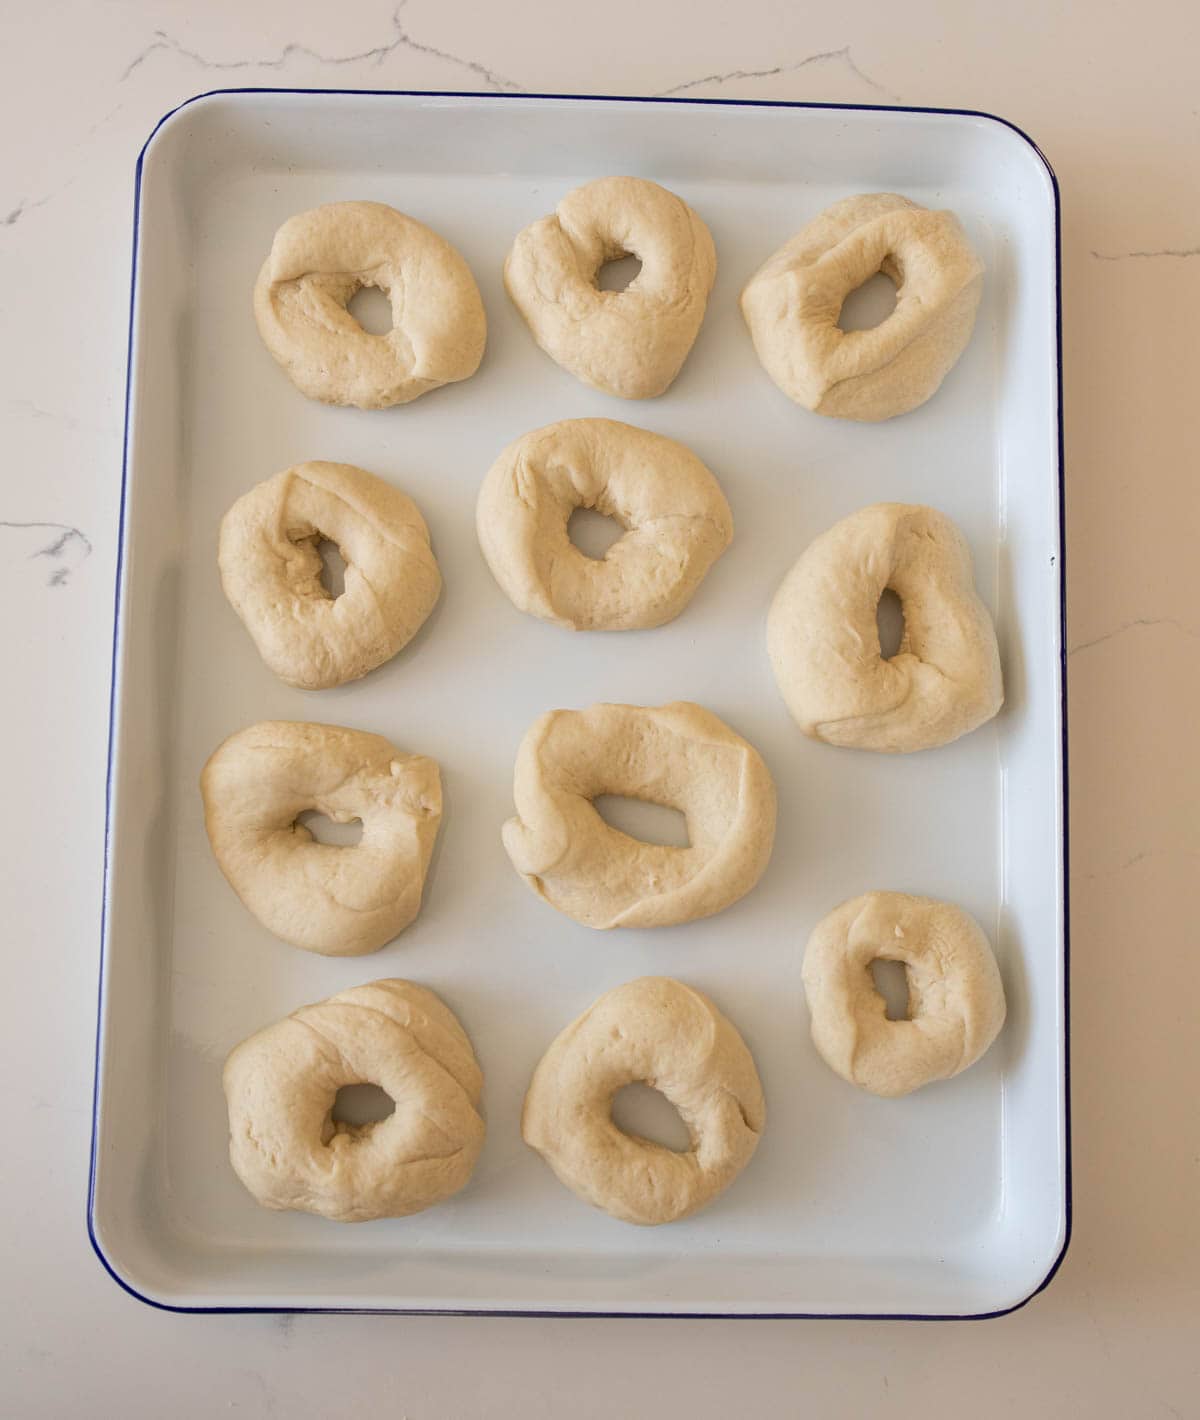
329,831
360,1105
891,981
868,305
593,533
372,309
640,819
333,567
617,274
642,1110
889,618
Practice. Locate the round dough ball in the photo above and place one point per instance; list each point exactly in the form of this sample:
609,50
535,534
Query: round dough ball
676,520
280,1086
629,343
320,259
792,305
335,900
823,638
674,1039
677,755
271,572
955,996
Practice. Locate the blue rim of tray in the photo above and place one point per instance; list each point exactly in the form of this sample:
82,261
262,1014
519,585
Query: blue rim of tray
1062,594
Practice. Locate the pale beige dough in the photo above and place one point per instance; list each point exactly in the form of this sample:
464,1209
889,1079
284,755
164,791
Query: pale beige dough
676,520
793,302
630,343
679,755
280,1086
955,995
675,1039
271,572
823,639
336,900
320,259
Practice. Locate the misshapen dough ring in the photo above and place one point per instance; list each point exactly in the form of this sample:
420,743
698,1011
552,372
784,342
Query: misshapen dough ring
271,572
824,641
679,755
320,259
955,996
630,343
339,901
281,1083
792,305
676,520
672,1037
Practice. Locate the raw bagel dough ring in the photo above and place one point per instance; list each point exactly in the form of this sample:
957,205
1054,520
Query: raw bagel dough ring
676,520
823,638
955,995
271,572
630,343
672,1037
792,305
679,755
280,1086
339,901
320,259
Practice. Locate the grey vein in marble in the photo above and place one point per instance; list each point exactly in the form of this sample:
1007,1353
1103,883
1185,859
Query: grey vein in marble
26,205
1145,255
1138,621
1133,862
65,421
843,56
20,210
375,55
66,548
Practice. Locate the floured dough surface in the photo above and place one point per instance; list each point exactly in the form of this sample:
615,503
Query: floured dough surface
673,1038
955,995
792,305
320,259
335,900
271,572
678,755
630,343
675,518
823,637
281,1083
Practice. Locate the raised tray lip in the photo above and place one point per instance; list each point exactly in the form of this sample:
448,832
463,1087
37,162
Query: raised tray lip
1063,1240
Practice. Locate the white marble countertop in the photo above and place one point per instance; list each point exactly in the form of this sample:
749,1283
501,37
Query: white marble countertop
1110,94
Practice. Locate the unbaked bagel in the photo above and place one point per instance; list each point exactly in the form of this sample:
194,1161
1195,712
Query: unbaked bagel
320,259
280,1086
792,305
630,343
955,995
674,1039
823,638
339,901
271,572
679,755
676,520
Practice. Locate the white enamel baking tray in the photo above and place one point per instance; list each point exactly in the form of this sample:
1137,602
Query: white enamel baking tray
952,1202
